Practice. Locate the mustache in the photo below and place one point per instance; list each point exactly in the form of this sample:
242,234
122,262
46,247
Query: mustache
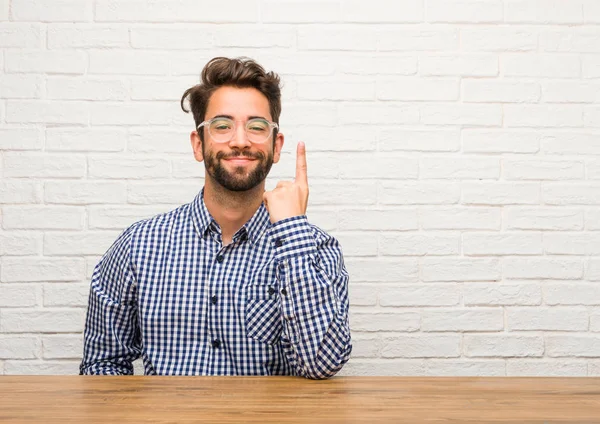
250,155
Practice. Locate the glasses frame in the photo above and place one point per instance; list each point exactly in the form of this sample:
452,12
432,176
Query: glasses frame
208,122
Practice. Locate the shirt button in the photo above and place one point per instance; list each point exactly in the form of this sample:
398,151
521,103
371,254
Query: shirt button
216,343
284,292
220,259
278,242
271,290
213,300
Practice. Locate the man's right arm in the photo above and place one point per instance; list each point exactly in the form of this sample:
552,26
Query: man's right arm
112,338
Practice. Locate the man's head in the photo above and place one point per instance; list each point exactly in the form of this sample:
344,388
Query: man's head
239,90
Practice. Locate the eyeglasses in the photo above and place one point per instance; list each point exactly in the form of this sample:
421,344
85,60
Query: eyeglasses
222,130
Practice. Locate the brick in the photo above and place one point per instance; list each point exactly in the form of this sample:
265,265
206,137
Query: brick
462,368
18,295
124,167
85,89
323,217
19,243
400,244
543,218
133,113
18,86
380,270
463,320
15,191
336,193
461,114
495,294
543,116
83,36
375,113
36,165
43,218
580,346
418,193
57,11
500,193
37,367
368,166
571,294
377,219
321,113
439,39
19,35
159,89
42,320
592,219
572,40
542,268
296,11
20,138
460,218
363,295
465,65
366,346
85,139
498,39
127,62
570,92
299,63
570,193
572,244
469,11
421,346
378,64
503,346
591,117
26,269
593,169
402,321
499,244
336,89
591,11
174,11
336,38
401,139
595,323
545,368
162,193
66,294
45,62
157,141
185,168
62,347
448,167
541,65
592,272
357,244
590,66
252,36
417,89
403,11
459,269
542,170
4,6
500,141
84,192
19,347
389,367
171,38
77,244
46,112
543,11
500,91
546,319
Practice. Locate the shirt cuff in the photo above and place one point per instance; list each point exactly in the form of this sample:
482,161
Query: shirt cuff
292,237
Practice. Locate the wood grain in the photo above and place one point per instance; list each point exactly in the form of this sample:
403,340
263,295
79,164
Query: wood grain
88,399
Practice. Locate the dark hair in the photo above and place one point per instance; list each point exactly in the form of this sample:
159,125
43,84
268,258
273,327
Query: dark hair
239,72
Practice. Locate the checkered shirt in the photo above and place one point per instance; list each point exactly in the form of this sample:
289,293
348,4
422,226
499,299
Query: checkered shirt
272,302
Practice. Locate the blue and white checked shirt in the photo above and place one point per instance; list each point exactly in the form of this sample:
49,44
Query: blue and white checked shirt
273,302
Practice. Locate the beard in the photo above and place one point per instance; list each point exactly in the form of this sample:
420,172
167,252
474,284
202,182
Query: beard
239,179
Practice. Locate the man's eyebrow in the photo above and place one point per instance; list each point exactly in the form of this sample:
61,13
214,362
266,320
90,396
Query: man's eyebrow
222,116
231,117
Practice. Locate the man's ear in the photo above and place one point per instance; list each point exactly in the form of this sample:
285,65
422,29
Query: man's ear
278,146
196,145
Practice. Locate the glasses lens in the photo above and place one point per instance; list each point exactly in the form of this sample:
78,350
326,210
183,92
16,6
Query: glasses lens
258,130
221,129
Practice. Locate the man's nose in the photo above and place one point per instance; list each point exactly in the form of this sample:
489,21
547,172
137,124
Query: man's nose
240,138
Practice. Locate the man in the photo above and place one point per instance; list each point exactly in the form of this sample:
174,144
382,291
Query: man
237,282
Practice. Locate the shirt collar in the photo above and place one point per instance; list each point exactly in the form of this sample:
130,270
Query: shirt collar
203,220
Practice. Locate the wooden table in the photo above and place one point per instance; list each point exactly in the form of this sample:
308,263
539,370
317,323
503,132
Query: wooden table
80,399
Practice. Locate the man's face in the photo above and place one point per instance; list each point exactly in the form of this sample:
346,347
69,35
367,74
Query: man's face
237,165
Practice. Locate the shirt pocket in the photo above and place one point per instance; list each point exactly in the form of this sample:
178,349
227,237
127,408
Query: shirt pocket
263,314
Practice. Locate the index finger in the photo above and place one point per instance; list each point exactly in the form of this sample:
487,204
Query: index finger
301,175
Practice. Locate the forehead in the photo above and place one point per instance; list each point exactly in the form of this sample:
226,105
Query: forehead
238,102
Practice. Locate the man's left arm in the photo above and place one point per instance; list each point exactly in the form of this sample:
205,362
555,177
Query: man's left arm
313,286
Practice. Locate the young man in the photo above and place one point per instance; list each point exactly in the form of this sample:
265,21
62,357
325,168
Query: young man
237,282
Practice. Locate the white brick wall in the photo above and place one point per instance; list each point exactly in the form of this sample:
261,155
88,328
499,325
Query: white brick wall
453,149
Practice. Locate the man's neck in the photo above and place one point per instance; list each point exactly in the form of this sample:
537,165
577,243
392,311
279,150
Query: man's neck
231,209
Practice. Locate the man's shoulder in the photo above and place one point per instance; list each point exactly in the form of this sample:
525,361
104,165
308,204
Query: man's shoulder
160,223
